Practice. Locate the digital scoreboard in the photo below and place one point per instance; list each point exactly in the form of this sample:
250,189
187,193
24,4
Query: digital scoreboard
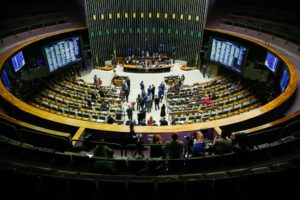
62,53
229,54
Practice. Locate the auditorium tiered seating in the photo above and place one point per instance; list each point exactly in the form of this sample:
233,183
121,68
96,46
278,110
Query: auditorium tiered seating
48,129
69,98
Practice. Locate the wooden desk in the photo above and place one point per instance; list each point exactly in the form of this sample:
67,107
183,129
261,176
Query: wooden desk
141,69
119,79
105,68
186,68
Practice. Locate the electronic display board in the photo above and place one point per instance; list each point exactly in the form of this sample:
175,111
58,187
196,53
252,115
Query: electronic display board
18,61
284,80
62,53
271,62
227,53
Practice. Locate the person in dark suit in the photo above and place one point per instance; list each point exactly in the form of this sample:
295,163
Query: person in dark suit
93,95
142,85
139,147
102,150
101,93
138,102
95,80
89,102
160,94
163,111
204,70
110,119
223,144
156,102
126,91
153,91
174,148
129,113
140,116
128,84
163,122
182,78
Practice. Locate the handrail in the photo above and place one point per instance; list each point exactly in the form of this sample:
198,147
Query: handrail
102,143
35,128
284,35
230,155
15,30
149,145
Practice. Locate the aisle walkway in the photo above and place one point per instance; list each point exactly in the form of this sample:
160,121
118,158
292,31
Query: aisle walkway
148,78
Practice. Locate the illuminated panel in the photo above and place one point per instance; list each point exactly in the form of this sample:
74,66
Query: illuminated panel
62,53
228,54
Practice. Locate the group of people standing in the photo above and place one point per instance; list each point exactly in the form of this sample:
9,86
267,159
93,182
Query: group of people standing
206,70
97,80
145,100
173,148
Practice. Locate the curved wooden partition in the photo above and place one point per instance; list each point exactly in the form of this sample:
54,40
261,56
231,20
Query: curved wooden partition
283,97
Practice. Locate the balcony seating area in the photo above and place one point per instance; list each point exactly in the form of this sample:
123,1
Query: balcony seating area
264,16
41,168
28,19
29,145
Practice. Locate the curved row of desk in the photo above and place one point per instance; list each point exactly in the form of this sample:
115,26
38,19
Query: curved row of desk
143,69
80,126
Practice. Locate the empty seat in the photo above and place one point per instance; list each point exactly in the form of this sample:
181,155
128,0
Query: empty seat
81,188
61,186
265,136
192,118
9,131
95,117
175,165
85,115
291,128
182,119
102,117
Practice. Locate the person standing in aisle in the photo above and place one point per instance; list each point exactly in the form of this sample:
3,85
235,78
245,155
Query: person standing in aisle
163,111
156,102
129,113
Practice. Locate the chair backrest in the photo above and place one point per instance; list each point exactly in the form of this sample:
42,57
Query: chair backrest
265,136
290,128
9,131
41,139
175,165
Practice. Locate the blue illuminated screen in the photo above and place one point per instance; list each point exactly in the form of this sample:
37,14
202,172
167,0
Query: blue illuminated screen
18,61
284,80
62,53
229,54
5,80
271,62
